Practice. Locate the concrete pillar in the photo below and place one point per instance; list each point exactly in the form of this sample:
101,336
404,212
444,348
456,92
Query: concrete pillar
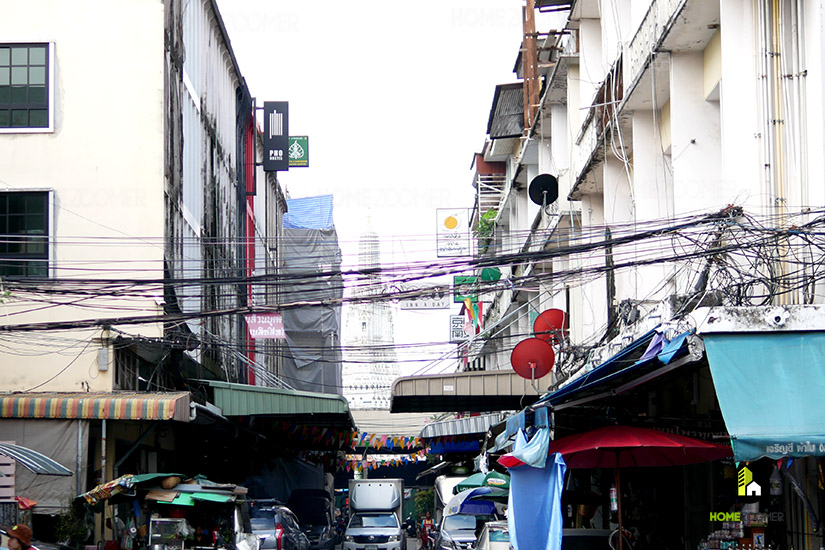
591,66
698,181
742,171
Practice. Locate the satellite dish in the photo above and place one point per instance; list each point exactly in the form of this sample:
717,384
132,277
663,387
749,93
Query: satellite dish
532,358
550,325
544,189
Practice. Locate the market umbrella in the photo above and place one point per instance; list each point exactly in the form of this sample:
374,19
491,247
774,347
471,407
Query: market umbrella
490,479
480,500
626,447
36,462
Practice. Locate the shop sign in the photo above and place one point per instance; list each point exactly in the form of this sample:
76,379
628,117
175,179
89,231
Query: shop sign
276,136
298,151
465,287
265,326
457,332
452,232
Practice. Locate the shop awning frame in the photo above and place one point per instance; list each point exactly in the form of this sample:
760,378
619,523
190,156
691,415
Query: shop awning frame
474,391
625,371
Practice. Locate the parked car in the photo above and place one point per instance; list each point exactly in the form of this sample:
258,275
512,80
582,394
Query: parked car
276,526
585,539
456,532
314,510
495,535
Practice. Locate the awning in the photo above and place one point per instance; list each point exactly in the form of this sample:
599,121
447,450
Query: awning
478,391
646,358
461,426
770,387
246,400
97,405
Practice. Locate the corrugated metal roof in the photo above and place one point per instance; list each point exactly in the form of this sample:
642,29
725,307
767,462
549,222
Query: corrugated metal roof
462,426
97,405
507,113
244,400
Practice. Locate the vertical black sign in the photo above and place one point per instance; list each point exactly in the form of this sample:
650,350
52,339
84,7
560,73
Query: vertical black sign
276,136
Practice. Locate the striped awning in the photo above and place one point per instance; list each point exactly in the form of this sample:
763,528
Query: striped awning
97,405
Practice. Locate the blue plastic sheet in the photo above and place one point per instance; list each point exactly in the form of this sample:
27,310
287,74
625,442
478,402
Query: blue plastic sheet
534,509
532,452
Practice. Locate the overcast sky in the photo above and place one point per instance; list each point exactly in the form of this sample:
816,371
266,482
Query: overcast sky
394,98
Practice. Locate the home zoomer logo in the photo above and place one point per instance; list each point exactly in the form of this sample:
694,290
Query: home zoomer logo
747,487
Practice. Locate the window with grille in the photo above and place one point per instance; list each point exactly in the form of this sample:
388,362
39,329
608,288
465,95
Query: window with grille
24,234
26,94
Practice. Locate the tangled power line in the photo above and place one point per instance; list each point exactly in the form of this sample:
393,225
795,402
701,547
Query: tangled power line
730,255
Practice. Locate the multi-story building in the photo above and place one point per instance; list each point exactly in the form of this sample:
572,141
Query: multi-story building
684,139
137,231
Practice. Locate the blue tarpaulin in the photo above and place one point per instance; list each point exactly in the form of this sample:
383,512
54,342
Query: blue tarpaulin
309,213
534,510
770,387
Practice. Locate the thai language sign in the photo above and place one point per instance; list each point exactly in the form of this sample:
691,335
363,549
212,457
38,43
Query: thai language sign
265,326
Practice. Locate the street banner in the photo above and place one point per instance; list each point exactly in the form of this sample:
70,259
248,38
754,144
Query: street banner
276,136
265,326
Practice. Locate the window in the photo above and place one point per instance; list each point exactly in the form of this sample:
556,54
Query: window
24,234
26,79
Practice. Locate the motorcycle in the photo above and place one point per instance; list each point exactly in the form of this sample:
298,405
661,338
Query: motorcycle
410,526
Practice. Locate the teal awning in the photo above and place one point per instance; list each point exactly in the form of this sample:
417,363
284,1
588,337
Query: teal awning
770,387
247,400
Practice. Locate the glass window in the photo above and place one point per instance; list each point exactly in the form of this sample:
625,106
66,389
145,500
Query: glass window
373,520
457,522
24,234
24,86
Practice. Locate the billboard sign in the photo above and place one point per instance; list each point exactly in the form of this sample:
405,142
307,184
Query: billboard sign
276,136
298,151
453,232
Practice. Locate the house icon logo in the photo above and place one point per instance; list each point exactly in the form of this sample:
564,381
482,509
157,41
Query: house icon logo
747,487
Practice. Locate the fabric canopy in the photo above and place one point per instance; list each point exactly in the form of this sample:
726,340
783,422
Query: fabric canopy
770,388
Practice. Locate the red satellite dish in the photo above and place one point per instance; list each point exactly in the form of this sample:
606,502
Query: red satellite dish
550,324
532,358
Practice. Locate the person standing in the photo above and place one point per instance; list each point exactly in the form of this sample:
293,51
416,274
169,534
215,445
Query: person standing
426,530
20,537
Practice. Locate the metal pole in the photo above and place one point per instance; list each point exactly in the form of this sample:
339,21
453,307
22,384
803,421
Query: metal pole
79,462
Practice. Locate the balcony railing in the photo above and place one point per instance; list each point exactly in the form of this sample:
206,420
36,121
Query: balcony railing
650,34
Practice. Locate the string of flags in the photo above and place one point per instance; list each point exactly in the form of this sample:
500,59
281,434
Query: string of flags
372,462
381,441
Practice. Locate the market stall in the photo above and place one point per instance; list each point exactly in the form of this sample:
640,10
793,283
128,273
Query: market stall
169,512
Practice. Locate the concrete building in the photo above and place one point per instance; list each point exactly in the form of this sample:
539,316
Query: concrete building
679,143
137,231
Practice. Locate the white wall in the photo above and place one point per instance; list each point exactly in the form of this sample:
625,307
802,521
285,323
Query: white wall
104,163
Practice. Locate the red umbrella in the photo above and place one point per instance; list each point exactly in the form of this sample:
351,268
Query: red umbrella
625,447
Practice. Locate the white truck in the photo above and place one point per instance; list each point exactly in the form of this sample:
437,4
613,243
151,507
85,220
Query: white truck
376,508
444,486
